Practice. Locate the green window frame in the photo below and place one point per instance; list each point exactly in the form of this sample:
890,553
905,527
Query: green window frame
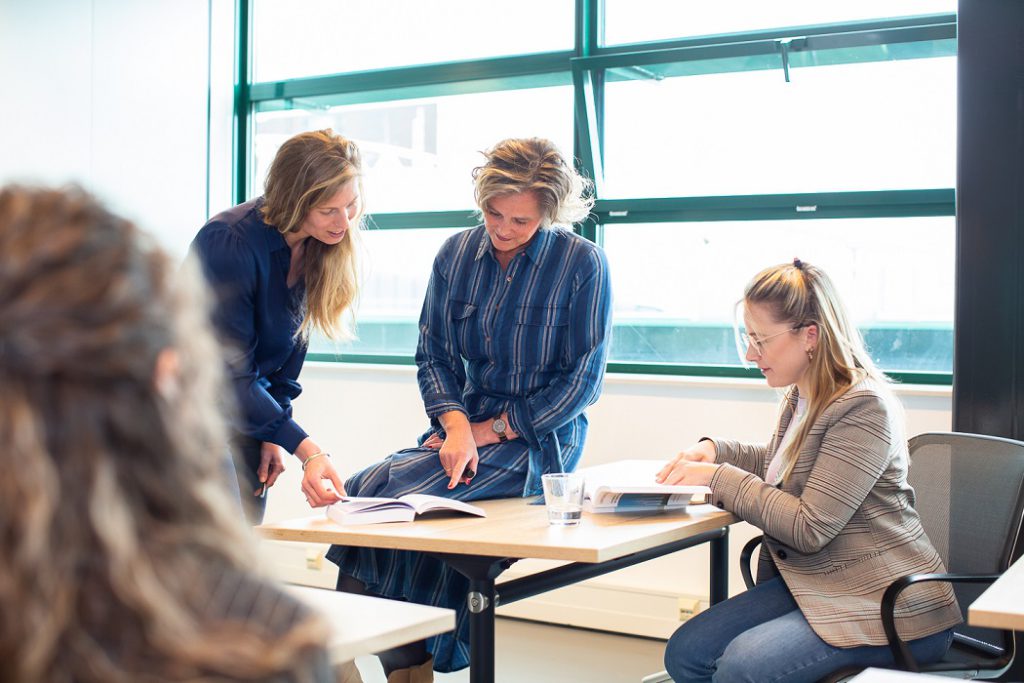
589,66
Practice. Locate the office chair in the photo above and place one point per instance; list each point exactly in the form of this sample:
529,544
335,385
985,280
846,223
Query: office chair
970,495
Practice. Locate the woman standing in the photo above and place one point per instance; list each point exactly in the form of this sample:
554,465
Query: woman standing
281,265
830,492
513,339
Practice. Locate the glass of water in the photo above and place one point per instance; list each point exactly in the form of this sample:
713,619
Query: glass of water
563,497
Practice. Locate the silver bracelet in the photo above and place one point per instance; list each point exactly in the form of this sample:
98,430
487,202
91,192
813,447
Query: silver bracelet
312,458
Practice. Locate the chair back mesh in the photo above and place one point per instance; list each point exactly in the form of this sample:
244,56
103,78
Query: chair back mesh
969,494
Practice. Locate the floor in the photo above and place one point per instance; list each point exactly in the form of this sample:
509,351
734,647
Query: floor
530,652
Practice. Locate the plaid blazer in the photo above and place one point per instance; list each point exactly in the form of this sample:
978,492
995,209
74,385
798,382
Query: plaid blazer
842,526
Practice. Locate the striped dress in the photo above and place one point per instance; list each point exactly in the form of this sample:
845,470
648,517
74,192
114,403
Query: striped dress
531,341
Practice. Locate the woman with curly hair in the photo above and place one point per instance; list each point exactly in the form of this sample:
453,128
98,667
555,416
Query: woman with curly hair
123,560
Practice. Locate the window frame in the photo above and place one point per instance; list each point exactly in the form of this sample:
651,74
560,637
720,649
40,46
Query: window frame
586,65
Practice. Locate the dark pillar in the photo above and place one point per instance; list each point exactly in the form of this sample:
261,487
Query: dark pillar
988,360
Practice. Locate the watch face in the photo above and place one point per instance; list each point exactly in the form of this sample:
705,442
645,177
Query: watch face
498,426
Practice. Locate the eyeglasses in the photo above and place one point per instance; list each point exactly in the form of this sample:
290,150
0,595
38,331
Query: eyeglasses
744,341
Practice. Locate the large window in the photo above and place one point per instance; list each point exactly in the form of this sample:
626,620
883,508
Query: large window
722,138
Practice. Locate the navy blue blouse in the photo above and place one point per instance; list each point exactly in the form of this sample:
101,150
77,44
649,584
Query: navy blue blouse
246,263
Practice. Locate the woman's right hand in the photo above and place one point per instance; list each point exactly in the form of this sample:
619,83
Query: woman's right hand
316,473
702,451
316,469
459,457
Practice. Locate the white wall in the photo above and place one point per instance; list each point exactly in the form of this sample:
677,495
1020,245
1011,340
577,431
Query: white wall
113,95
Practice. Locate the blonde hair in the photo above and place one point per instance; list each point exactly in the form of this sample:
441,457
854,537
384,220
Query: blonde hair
308,170
114,524
799,294
534,165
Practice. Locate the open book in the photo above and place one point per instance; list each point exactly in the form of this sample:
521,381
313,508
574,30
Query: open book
629,486
405,509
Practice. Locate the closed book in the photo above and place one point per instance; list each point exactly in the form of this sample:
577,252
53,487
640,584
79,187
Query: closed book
357,510
629,486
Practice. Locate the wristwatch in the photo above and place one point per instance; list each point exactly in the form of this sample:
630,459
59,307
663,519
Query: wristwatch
499,427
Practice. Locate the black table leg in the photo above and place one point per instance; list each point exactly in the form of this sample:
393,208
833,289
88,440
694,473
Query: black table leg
482,597
481,630
720,567
481,572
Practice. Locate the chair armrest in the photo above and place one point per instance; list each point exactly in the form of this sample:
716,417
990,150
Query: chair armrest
900,651
746,556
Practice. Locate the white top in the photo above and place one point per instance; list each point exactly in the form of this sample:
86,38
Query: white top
773,476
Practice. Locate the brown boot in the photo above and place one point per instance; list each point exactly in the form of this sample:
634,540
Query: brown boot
424,673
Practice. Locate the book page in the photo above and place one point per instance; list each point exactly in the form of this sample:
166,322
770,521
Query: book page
633,476
354,503
370,511
421,503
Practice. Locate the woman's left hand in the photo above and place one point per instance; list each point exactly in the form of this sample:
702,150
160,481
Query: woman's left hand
459,457
689,473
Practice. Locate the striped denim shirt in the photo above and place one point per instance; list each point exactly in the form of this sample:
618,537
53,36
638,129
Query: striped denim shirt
531,340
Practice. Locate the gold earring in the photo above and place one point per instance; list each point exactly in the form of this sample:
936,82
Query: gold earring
810,355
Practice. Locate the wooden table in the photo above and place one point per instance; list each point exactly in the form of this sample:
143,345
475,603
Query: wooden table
362,625
482,548
1002,603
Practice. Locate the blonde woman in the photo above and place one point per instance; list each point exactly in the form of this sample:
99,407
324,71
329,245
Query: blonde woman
282,265
830,492
514,335
123,560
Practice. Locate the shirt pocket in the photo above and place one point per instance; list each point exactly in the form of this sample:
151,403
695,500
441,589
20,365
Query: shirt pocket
541,333
544,316
469,335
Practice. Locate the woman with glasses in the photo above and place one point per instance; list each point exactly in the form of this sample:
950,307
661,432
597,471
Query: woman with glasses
830,492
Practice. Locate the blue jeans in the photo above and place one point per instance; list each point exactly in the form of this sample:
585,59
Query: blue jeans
761,636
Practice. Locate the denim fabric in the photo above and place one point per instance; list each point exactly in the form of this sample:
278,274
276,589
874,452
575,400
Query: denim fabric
760,636
530,340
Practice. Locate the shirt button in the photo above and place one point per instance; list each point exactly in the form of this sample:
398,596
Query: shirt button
720,504
781,554
508,279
